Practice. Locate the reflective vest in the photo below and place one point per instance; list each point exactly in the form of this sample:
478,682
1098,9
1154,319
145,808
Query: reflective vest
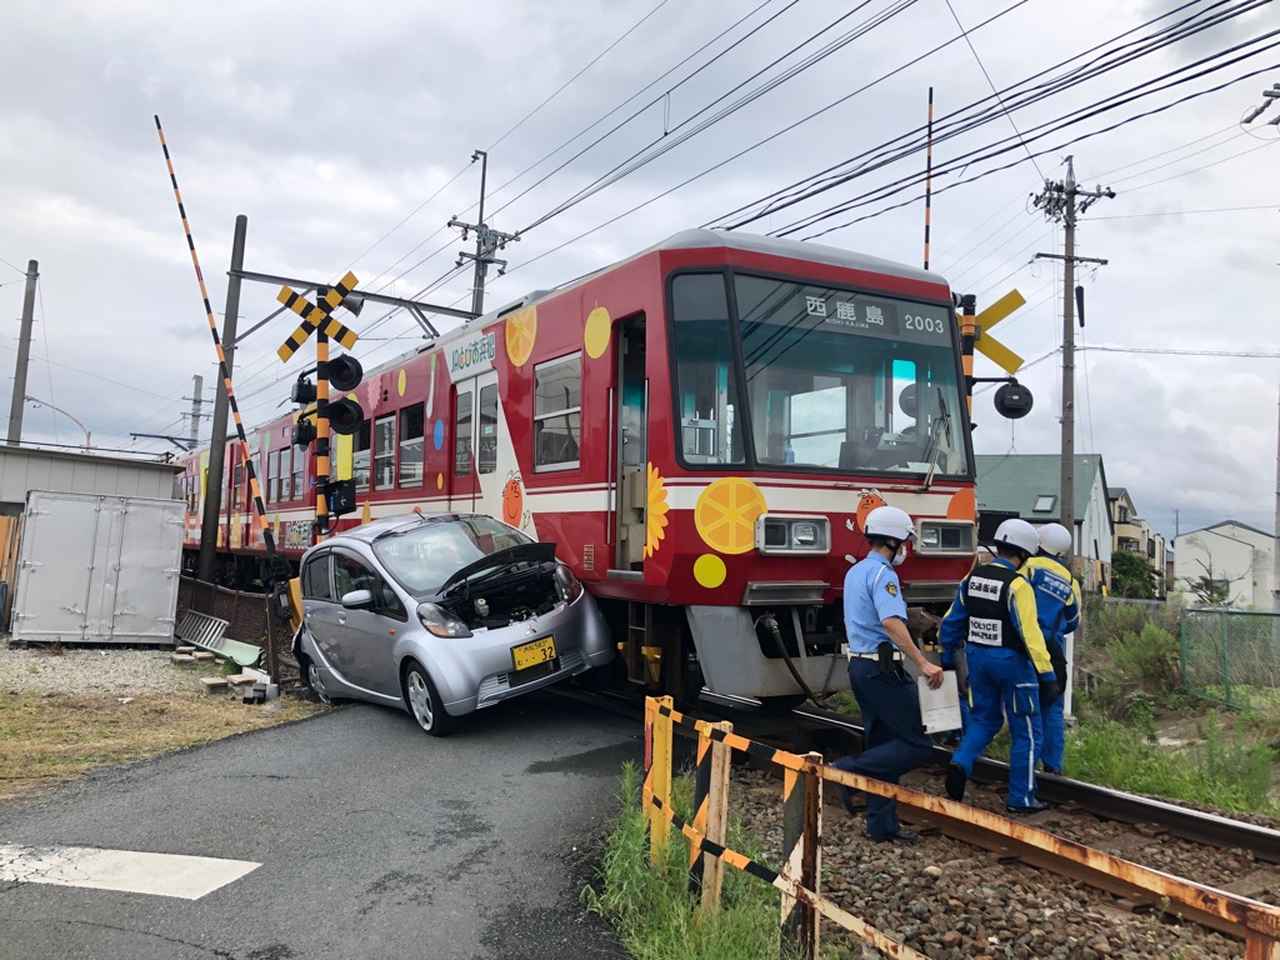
986,600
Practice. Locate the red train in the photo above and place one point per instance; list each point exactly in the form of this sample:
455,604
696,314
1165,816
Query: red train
699,429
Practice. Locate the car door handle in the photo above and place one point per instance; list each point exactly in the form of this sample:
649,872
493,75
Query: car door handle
342,620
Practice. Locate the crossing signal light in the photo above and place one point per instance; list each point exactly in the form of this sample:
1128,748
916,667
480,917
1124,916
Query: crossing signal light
345,416
304,432
345,372
303,392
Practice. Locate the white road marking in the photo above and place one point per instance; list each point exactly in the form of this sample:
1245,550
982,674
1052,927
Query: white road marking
128,871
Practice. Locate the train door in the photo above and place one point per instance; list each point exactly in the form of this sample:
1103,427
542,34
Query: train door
628,479
462,489
477,487
488,497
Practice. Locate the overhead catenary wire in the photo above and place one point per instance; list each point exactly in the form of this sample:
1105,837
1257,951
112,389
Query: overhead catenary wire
1147,44
1048,150
1113,101
1180,213
991,83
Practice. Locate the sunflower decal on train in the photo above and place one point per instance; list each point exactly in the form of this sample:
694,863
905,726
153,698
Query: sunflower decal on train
655,525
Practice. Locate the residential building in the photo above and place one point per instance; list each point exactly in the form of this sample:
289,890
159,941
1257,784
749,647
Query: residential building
1235,556
1134,535
1026,485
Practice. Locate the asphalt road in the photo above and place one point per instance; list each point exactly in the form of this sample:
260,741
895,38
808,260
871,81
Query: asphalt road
375,841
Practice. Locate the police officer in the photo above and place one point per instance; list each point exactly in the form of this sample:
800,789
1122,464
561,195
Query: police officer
994,618
1058,611
875,619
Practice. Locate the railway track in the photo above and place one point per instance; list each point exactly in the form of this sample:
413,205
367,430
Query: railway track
1176,840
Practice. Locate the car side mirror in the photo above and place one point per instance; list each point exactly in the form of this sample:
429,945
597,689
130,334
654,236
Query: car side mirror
358,599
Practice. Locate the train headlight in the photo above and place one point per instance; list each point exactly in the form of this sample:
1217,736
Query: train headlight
945,538
777,533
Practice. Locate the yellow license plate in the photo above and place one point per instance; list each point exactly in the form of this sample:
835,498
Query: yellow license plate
533,653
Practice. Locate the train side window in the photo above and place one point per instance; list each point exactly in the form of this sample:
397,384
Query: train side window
237,487
299,466
315,579
706,373
360,459
557,413
487,454
462,435
273,476
384,452
286,473
411,421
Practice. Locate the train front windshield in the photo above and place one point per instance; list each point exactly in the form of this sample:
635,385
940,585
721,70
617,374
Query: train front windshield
805,376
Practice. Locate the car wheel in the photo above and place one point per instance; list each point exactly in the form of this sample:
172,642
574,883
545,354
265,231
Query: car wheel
315,681
424,702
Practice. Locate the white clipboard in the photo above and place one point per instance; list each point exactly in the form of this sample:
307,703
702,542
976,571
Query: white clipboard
940,709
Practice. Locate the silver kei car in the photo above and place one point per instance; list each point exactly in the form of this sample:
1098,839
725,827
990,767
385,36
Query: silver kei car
442,615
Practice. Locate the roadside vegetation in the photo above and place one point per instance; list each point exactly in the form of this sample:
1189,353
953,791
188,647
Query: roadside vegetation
652,908
46,739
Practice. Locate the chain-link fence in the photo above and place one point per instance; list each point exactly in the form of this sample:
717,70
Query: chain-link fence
1230,656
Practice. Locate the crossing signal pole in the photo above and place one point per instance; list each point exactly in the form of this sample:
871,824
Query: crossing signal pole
1063,200
488,241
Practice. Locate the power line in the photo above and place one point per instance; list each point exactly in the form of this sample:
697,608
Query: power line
981,66
957,123
1179,213
1054,149
1175,352
44,332
1154,183
8,264
1072,117
591,63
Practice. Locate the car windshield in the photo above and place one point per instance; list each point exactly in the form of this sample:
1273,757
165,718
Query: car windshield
422,558
829,378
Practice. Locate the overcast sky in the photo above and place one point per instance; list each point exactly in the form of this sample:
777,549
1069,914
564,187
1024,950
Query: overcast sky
328,126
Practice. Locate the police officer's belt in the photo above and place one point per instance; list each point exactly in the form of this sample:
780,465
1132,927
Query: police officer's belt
872,656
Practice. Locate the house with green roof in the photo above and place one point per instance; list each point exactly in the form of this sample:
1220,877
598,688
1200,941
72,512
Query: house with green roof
1026,485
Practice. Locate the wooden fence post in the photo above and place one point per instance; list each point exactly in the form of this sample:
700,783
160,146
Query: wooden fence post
801,844
717,819
1258,947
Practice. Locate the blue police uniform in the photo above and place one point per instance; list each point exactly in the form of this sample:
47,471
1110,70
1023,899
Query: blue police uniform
994,617
895,741
1058,612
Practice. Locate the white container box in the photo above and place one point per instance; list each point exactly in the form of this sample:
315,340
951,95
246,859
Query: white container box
96,569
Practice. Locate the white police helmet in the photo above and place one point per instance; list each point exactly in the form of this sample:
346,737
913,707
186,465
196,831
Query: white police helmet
1055,539
890,522
1018,534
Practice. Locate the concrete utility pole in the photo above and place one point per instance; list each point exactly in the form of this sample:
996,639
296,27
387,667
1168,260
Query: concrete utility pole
1062,200
488,241
218,441
197,401
18,402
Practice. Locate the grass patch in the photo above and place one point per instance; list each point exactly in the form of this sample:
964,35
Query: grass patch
652,909
46,740
1224,772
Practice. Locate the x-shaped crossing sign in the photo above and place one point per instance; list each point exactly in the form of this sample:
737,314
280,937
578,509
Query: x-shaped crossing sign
988,345
316,316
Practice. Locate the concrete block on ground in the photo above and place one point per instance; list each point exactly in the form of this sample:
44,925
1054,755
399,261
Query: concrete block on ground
185,648
202,655
182,659
214,684
240,679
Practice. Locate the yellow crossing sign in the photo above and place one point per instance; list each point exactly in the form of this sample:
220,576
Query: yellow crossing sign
988,345
317,316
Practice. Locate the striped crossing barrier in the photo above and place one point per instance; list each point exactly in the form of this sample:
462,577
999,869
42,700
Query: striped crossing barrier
260,509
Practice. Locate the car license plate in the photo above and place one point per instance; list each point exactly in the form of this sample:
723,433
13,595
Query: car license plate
533,653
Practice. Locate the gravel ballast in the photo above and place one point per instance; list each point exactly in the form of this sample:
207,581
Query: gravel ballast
95,670
951,900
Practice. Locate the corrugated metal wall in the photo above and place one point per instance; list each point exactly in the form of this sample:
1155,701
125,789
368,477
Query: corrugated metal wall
23,470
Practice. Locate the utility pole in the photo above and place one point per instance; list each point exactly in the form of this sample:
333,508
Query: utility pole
1062,200
24,355
218,441
197,401
488,241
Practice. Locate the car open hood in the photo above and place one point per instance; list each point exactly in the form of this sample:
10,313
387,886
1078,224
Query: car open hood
523,553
